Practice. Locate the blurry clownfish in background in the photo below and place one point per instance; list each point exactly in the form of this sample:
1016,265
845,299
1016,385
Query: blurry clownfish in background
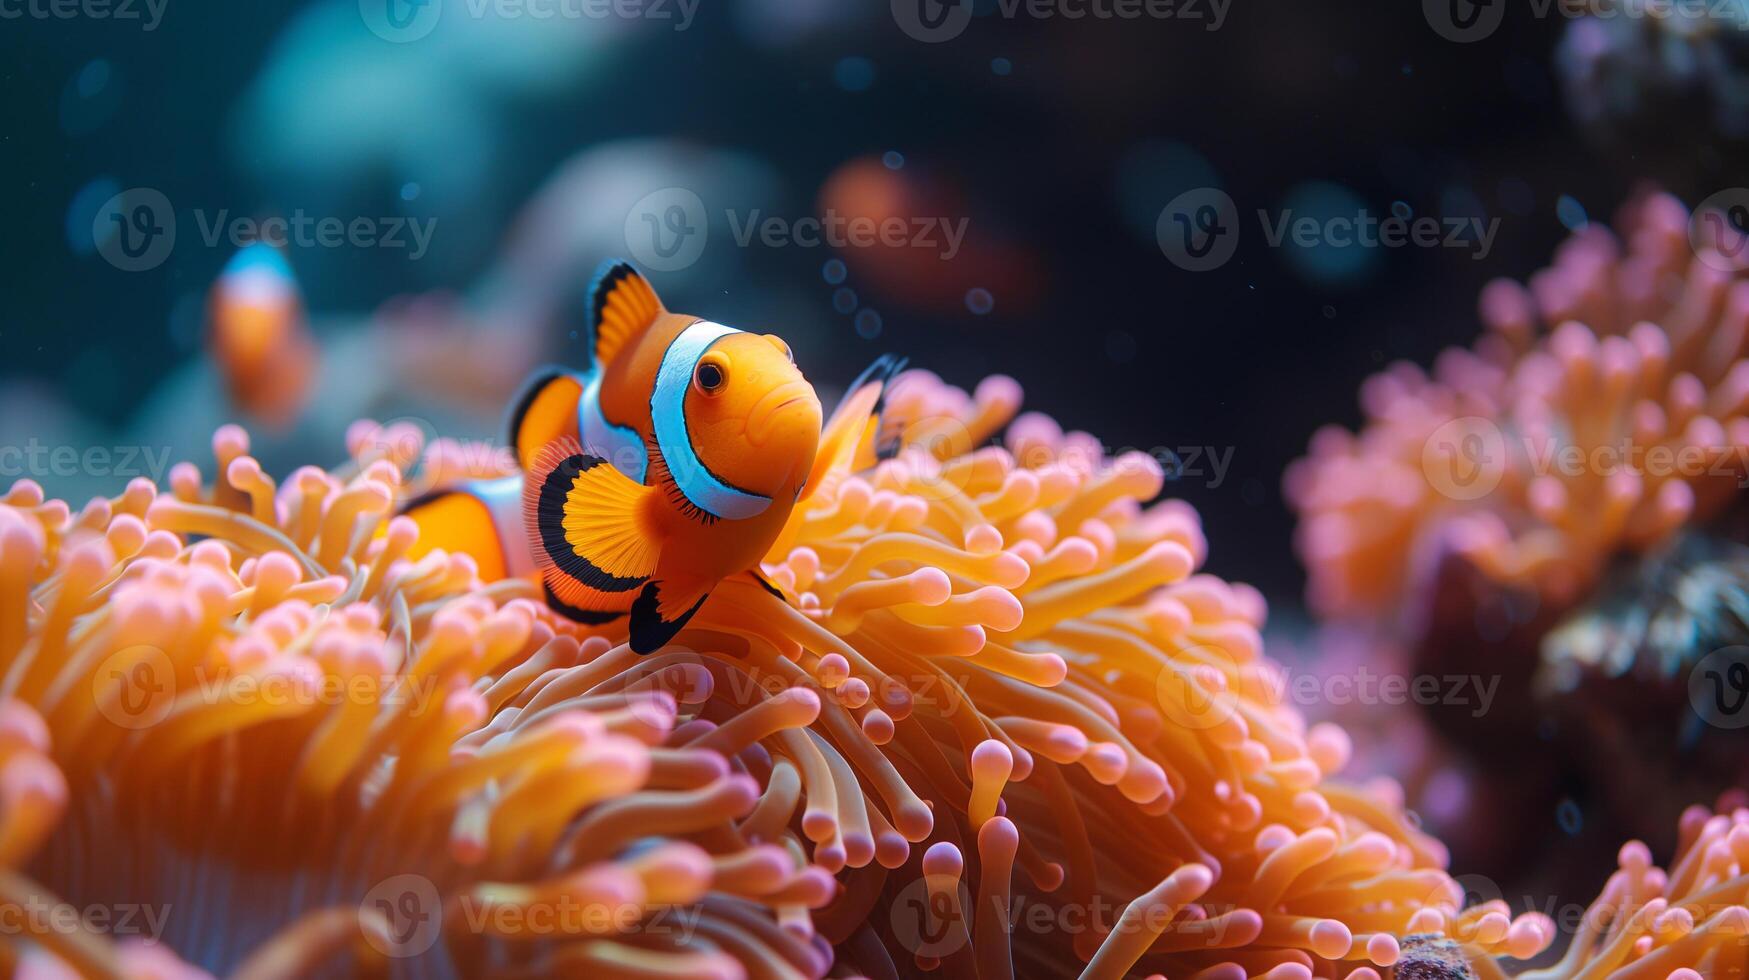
257,334
670,463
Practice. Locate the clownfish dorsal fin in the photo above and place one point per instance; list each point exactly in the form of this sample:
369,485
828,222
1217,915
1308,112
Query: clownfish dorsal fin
854,423
589,528
622,305
543,412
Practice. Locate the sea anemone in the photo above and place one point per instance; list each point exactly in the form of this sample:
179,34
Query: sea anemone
993,722
1603,409
1559,507
235,714
1686,923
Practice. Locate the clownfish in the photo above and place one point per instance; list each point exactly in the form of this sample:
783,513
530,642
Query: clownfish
257,334
669,463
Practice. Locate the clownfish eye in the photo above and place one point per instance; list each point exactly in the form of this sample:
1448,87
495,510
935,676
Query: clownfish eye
710,377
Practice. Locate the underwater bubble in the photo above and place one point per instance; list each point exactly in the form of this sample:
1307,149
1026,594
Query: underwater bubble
1150,175
410,191
868,324
979,300
92,78
1001,66
1329,312
1568,816
893,159
187,321
90,97
1170,464
833,271
854,74
1446,796
1120,346
780,23
1335,254
82,213
1401,209
1571,213
1459,201
844,299
1516,195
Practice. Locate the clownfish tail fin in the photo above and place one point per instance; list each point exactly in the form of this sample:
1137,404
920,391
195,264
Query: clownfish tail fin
588,528
662,609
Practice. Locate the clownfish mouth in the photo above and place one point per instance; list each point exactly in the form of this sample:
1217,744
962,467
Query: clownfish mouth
771,406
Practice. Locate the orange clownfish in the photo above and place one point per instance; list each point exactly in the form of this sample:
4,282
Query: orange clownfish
671,462
258,337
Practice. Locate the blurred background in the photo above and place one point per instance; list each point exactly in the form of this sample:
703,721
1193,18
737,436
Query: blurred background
446,174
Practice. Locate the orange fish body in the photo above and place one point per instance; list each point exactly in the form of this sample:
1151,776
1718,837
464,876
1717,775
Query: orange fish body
258,337
672,462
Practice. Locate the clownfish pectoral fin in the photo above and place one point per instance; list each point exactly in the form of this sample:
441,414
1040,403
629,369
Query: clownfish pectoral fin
544,412
848,435
622,305
589,528
662,609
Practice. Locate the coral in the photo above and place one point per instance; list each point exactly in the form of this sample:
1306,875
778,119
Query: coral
1605,407
995,721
